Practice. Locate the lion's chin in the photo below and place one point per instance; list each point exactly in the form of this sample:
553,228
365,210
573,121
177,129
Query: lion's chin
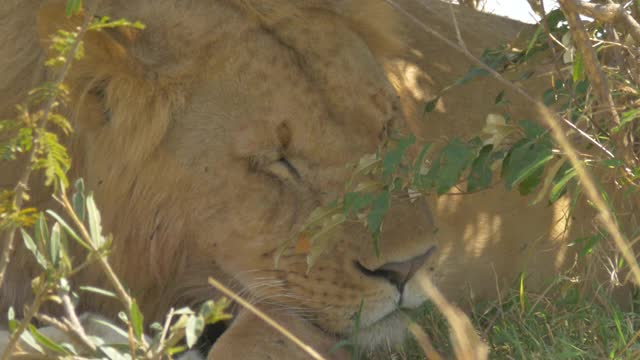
391,329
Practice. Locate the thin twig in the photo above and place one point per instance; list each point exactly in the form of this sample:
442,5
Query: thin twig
66,328
552,122
123,295
266,318
592,65
610,13
455,24
165,329
550,38
102,261
75,325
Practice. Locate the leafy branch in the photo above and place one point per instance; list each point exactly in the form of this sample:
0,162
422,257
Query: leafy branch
56,160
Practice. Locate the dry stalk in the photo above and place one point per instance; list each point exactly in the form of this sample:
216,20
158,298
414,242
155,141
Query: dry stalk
593,68
466,343
423,340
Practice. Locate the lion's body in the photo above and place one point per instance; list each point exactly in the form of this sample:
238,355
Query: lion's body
183,150
494,235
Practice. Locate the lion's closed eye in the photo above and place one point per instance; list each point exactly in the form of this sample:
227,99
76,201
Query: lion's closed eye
275,165
284,170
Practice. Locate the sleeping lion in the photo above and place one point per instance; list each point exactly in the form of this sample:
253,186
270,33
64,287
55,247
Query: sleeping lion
209,137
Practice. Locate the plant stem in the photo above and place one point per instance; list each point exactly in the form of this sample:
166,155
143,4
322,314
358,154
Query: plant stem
123,295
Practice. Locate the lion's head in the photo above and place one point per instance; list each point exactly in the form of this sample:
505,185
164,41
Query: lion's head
209,138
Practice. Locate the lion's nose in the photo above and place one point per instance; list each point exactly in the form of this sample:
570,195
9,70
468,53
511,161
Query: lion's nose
398,273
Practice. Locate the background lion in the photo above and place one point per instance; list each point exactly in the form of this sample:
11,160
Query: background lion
209,137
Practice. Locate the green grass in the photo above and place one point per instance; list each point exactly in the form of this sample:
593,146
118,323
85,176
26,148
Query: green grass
564,323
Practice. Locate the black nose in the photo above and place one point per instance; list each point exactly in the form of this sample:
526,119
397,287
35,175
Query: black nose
397,273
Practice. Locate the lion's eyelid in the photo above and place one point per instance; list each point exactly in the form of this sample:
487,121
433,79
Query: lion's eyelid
292,169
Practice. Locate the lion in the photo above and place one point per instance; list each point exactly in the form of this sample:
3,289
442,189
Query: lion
209,138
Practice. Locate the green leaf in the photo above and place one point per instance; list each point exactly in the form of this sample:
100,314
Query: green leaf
549,97
68,229
73,7
481,173
55,248
473,73
456,156
500,99
428,181
99,291
344,343
123,317
61,122
41,230
137,320
113,354
78,199
46,341
581,87
589,242
534,39
418,164
356,201
392,159
560,186
431,105
195,325
612,163
379,208
531,181
212,312
12,323
578,67
28,339
95,226
111,326
53,158
525,159
626,118
176,350
532,129
31,246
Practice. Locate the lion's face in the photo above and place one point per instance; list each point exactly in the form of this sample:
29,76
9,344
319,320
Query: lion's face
216,152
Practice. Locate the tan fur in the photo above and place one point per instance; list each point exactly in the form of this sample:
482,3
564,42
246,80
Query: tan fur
185,166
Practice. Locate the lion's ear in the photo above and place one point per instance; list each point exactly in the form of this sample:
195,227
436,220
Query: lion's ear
106,46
